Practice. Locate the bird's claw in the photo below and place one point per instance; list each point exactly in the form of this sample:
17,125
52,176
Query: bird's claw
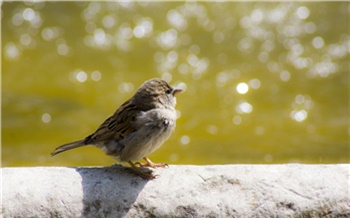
137,168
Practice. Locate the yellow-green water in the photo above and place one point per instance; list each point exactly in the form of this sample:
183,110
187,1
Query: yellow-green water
266,82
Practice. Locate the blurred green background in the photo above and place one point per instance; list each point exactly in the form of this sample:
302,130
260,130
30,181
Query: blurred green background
265,82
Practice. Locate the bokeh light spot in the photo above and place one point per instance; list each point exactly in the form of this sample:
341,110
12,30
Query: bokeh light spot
244,108
318,42
126,87
81,76
185,139
46,118
62,49
96,76
303,12
144,28
237,120
285,76
242,88
182,86
212,129
12,51
298,115
254,83
28,14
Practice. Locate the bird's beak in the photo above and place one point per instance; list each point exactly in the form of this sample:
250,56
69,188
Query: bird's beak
176,91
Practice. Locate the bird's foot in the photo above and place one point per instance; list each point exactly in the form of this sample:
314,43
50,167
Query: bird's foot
143,173
149,163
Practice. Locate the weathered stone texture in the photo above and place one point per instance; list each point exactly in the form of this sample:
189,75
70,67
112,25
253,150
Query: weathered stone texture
290,190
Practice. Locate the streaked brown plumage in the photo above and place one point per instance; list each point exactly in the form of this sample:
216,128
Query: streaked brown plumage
137,128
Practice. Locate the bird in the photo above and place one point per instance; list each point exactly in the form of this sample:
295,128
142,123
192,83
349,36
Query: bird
137,128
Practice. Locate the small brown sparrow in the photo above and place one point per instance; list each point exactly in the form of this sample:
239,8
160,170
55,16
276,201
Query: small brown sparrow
138,128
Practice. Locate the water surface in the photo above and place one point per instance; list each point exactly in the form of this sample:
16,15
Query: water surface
265,82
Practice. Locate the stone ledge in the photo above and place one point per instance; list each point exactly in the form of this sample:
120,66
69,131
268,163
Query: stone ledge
290,190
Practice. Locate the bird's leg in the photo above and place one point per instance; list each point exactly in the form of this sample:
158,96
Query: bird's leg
149,163
145,175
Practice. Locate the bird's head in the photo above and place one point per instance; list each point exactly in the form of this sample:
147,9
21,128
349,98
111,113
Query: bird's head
158,92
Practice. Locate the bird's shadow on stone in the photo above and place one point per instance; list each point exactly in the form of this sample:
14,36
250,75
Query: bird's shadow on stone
109,191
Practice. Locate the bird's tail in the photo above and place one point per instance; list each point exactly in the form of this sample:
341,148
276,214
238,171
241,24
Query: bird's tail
68,146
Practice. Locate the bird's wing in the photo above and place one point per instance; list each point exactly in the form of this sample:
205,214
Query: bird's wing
119,125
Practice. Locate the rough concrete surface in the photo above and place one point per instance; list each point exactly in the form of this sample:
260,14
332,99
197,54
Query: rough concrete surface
290,190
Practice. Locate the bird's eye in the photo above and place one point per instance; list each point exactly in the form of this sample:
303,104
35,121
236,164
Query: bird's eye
168,91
